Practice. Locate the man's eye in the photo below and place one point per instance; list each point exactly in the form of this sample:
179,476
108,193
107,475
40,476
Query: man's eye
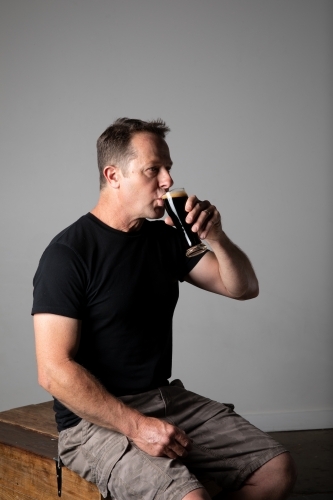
153,169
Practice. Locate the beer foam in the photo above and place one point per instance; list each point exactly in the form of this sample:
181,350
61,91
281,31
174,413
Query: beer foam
174,194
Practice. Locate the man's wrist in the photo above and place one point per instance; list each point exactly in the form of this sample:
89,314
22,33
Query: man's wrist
222,240
131,421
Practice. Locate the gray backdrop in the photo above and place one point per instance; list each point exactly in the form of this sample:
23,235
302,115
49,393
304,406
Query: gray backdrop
246,87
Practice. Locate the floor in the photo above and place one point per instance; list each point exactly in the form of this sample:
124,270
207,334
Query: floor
313,454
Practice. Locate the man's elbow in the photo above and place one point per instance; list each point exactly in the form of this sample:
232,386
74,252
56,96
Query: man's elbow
44,380
251,293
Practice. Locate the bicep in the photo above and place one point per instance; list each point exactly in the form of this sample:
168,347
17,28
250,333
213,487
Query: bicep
206,275
57,338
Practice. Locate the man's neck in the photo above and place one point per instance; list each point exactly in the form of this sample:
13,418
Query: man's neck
113,216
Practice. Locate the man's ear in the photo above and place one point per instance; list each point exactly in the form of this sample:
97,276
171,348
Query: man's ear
112,175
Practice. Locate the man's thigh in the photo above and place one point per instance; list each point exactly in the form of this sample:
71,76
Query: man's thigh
138,475
117,465
225,446
92,452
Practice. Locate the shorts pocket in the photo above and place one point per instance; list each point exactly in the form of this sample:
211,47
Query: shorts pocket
102,449
139,476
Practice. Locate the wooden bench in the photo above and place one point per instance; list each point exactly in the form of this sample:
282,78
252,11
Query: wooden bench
28,459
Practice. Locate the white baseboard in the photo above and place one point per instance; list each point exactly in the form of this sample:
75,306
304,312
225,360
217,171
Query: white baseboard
292,420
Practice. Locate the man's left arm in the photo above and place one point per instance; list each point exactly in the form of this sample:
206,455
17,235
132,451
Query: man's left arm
226,270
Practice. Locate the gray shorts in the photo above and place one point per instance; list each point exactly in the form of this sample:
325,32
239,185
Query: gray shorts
226,448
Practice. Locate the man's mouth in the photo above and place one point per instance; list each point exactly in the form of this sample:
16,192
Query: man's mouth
160,202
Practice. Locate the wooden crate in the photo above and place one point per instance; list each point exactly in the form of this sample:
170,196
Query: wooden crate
28,452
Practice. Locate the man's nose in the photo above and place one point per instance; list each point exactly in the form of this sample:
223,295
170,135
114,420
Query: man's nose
166,180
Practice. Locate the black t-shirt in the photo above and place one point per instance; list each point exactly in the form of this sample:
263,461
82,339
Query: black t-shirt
124,288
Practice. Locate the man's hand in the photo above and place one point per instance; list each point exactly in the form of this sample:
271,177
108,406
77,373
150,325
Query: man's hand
161,439
204,218
226,270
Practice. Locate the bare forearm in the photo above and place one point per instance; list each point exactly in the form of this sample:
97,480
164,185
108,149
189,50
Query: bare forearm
83,394
235,269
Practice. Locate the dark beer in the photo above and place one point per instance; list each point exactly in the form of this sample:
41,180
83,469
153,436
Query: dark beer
174,202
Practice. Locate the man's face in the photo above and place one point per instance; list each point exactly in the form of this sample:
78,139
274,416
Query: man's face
147,177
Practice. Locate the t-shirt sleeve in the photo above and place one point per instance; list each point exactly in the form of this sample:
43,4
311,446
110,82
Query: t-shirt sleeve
189,264
60,283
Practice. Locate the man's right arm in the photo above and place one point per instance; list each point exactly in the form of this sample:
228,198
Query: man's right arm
57,339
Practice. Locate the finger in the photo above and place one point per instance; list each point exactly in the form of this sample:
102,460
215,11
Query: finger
206,215
171,454
168,221
179,450
214,222
183,440
199,207
191,202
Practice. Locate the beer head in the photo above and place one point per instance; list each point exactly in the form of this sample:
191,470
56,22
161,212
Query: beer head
174,202
175,193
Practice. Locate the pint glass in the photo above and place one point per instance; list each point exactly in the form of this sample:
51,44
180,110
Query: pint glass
174,202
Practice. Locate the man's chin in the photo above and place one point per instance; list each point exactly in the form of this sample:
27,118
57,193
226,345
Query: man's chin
157,213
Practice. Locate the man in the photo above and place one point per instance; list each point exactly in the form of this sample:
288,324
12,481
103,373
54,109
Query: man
104,295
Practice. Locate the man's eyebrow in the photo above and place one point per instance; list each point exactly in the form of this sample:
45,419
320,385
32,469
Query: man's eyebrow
155,162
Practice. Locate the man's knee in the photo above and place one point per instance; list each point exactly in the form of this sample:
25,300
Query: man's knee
278,474
199,494
286,470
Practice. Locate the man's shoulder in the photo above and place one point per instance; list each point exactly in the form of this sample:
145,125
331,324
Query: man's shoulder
75,241
73,232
